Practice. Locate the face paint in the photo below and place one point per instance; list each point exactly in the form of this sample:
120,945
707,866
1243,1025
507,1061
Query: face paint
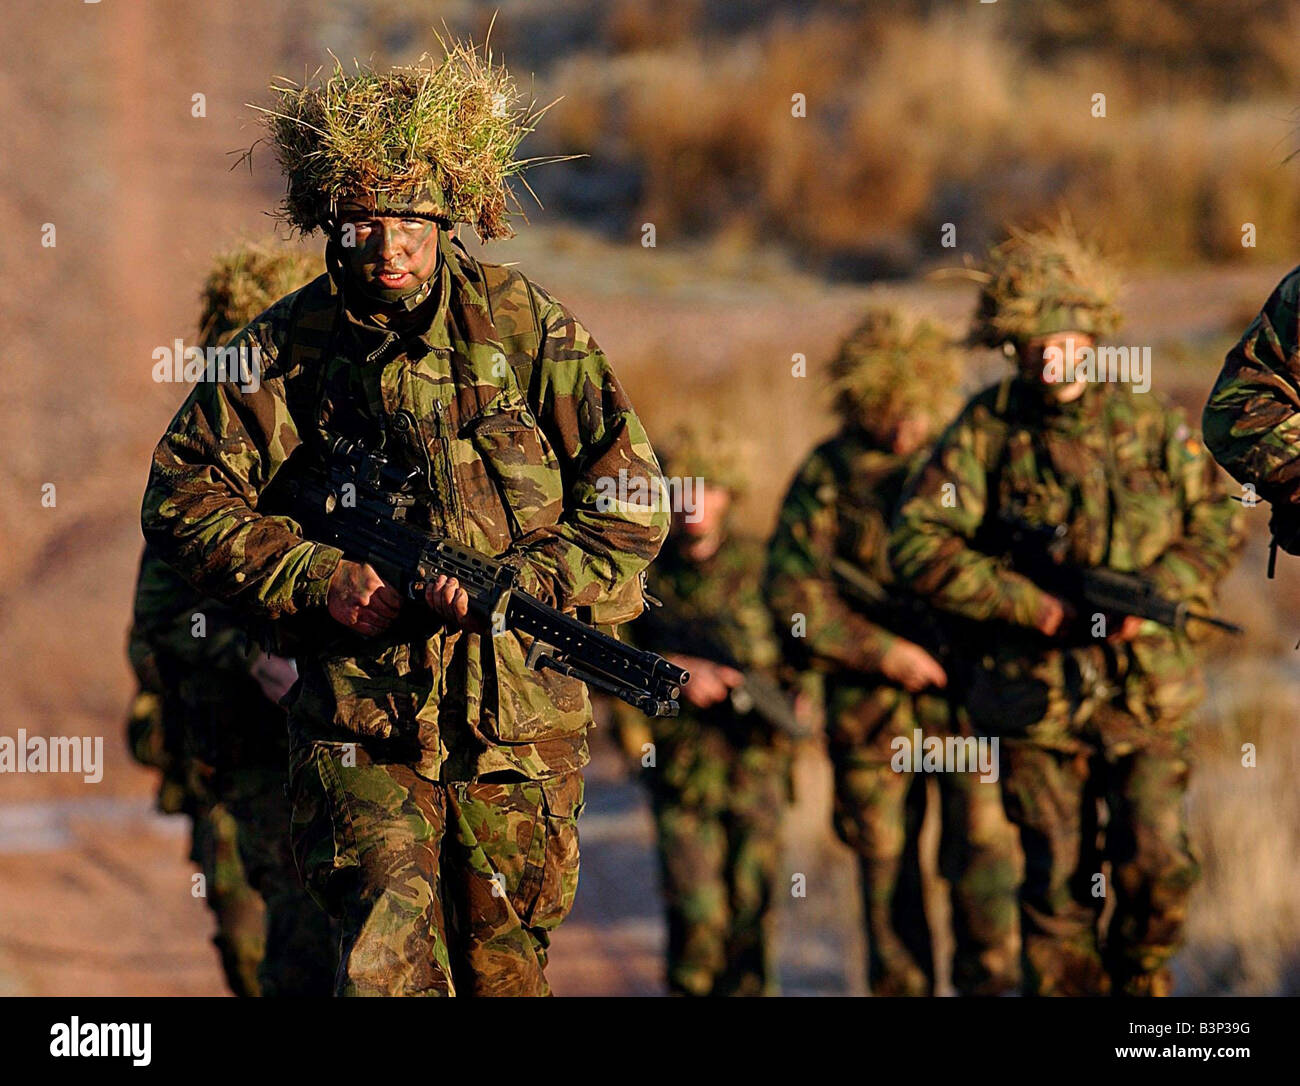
390,258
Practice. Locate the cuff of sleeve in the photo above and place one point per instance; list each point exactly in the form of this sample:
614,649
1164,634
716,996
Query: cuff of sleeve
1021,602
313,591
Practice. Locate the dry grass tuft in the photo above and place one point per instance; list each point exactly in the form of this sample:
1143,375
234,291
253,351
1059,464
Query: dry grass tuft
247,279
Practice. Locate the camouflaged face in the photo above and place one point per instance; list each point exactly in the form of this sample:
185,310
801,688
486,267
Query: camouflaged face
506,469
1164,515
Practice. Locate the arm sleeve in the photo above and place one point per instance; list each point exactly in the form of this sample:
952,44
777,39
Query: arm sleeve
612,525
1252,419
200,507
941,510
800,580
1191,568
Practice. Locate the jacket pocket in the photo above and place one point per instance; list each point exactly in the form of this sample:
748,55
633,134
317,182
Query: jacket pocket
562,804
517,461
372,697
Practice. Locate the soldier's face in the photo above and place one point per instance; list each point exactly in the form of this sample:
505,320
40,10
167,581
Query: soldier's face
387,256
909,434
1051,361
711,505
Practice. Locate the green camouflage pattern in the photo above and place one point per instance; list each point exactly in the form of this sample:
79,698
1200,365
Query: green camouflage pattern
839,507
441,888
719,782
506,469
1137,493
1252,418
227,752
239,910
509,412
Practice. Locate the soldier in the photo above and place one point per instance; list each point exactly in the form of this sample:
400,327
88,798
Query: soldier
207,716
1251,413
436,781
719,775
1086,706
895,381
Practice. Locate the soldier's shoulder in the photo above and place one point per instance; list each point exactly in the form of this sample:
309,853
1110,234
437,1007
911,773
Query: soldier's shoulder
309,308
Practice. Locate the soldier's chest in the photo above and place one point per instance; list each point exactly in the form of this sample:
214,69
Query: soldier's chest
484,469
1106,482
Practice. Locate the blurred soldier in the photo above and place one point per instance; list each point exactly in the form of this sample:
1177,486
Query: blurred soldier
1087,705
895,382
436,779
718,774
1250,419
207,716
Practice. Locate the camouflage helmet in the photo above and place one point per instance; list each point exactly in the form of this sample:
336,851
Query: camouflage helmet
711,451
1037,283
246,280
436,139
895,364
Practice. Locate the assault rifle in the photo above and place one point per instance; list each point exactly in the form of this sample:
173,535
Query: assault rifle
1038,551
359,502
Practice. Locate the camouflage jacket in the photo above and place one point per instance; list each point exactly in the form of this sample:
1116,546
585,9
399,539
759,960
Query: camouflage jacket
1137,493
510,414
717,601
1252,419
212,709
838,509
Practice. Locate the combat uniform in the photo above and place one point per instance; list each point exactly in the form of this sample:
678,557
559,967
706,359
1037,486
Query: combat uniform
1250,419
839,508
719,778
229,745
1079,718
436,781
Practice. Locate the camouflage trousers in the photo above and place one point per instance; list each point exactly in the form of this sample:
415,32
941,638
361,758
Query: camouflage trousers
878,813
440,888
717,811
1052,796
238,908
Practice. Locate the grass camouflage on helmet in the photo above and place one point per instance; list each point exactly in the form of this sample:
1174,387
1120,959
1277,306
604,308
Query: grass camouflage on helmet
435,139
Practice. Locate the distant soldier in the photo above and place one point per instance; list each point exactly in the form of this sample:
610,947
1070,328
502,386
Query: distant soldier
1044,478
207,715
1251,421
718,774
830,586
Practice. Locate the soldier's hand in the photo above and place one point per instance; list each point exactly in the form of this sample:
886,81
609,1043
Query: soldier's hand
1052,616
1128,629
360,599
710,683
274,674
912,667
450,602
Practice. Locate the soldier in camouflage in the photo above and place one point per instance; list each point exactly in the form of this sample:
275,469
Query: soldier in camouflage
436,781
1086,706
895,381
207,716
718,776
1250,419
